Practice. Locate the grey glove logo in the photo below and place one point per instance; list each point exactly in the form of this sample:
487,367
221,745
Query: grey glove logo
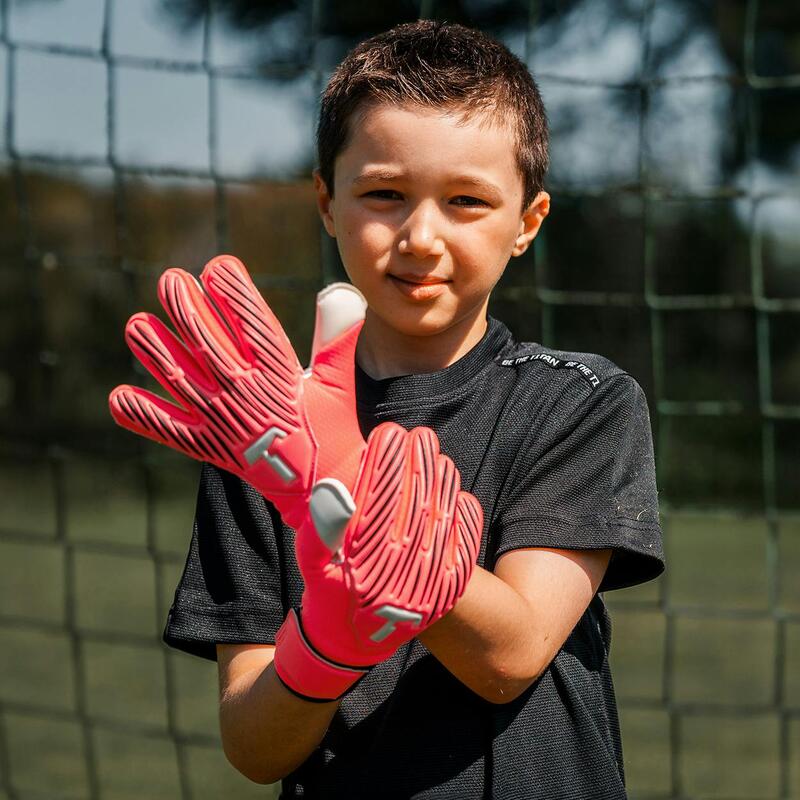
260,449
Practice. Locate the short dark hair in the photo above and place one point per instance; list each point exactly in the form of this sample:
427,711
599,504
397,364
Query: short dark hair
436,64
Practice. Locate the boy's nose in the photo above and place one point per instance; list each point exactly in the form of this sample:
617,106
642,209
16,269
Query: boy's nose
420,235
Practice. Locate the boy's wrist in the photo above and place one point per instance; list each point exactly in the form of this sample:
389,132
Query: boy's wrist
304,671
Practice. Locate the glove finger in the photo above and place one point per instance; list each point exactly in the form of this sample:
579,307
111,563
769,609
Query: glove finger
329,394
413,528
200,326
469,523
340,316
467,533
331,507
434,561
151,416
260,335
378,490
168,360
460,554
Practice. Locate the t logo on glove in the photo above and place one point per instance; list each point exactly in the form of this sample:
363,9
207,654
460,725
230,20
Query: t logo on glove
386,540
261,450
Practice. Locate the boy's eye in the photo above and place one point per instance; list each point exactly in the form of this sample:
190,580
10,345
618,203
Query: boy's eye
378,192
473,201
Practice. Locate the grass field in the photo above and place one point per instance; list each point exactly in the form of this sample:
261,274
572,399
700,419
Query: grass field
707,665
706,659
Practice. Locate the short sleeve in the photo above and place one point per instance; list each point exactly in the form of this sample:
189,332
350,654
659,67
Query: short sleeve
589,483
231,587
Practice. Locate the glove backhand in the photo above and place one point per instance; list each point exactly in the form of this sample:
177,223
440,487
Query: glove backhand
409,541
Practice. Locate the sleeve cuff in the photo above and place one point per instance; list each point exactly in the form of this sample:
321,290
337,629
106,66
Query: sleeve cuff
638,555
198,631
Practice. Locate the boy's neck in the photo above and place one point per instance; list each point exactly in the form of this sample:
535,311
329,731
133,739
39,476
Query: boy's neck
384,352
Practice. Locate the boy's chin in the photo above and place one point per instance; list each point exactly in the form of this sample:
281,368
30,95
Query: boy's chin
418,321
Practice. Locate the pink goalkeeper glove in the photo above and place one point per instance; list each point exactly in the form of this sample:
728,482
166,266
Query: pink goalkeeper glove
245,403
386,541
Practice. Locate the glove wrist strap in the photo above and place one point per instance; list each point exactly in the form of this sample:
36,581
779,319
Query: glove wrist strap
304,671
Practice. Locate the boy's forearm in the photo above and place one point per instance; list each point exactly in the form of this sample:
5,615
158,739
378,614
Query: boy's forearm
267,731
487,640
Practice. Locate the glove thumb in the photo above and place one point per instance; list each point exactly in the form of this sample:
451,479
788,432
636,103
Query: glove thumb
331,507
340,314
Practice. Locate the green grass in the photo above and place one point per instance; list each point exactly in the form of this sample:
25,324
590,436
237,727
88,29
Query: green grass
82,616
718,685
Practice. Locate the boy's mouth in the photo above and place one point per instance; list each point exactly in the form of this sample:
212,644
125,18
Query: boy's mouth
417,288
410,277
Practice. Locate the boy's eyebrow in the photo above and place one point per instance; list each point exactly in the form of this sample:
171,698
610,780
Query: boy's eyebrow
375,175
390,175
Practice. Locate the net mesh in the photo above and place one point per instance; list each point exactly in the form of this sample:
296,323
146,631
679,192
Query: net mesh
142,135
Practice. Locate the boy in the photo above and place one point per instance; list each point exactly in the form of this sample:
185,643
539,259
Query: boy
433,148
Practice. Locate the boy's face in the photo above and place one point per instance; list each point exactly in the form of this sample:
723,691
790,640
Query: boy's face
426,214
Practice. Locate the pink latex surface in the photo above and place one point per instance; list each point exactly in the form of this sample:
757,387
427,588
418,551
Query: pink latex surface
407,552
411,545
235,383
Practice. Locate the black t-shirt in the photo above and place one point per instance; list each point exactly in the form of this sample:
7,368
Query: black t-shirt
557,448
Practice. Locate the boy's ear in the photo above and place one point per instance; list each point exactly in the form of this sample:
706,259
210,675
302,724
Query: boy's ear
324,201
531,222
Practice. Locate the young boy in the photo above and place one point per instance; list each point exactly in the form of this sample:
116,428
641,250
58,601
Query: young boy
432,153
